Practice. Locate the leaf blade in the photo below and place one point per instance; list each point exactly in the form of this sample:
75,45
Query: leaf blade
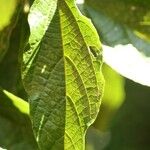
64,69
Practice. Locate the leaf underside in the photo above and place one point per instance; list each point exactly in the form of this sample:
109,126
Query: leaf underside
61,74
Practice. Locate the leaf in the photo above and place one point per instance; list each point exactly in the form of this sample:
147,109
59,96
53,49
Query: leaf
15,127
10,76
62,74
19,103
8,20
114,96
134,14
99,136
125,52
7,9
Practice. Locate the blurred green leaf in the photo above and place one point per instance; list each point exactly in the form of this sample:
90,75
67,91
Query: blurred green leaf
15,127
10,76
19,103
114,96
114,88
133,13
7,10
124,51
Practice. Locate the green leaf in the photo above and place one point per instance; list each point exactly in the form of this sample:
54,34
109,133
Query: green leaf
9,12
134,14
15,127
114,96
113,82
10,72
19,103
127,52
62,74
7,9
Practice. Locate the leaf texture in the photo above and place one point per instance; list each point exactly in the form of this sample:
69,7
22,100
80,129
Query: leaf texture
61,72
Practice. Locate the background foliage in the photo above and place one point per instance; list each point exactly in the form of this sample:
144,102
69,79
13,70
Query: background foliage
123,121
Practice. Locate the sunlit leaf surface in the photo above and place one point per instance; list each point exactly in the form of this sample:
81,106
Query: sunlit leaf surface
62,74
